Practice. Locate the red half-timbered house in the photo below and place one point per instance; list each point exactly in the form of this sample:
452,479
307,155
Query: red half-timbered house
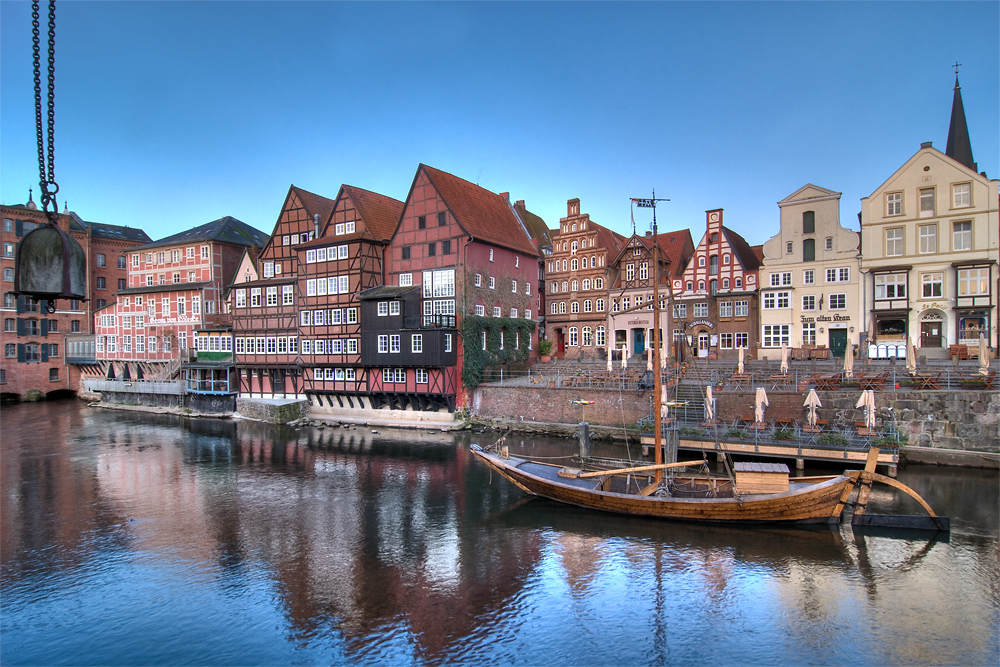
345,260
265,309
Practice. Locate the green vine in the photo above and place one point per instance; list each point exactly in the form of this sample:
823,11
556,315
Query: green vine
476,359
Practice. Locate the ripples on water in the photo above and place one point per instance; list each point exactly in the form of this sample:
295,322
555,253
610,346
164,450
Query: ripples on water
140,539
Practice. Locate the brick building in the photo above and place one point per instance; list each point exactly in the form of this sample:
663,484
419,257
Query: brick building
42,350
632,286
577,279
715,298
175,287
472,257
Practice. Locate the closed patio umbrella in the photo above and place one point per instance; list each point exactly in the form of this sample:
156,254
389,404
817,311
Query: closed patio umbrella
649,358
709,404
849,361
739,363
624,355
760,400
867,402
609,358
984,356
911,356
812,402
784,358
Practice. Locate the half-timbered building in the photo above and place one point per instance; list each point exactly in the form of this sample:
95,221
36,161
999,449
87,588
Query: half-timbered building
715,298
343,261
265,308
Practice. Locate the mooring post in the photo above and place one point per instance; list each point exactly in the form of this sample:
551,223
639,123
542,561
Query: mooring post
800,464
584,434
893,471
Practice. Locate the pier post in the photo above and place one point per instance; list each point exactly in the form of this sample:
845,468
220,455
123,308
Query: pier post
800,464
893,471
584,434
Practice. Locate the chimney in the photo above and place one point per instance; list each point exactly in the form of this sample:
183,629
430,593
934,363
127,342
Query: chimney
316,224
926,144
649,235
520,202
506,196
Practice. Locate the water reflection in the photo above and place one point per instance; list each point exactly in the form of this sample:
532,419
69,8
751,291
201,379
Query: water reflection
146,539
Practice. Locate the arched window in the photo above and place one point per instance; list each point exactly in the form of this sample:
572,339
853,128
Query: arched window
562,307
690,285
583,262
593,261
587,306
574,226
586,284
574,265
574,307
555,308
554,289
583,243
588,337
565,245
573,339
725,283
564,265
599,305
576,286
701,285
565,286
598,283
572,247
599,337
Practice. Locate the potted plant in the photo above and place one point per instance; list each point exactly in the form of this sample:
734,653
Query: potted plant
545,350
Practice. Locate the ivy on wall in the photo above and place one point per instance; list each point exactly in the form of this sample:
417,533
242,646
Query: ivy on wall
476,359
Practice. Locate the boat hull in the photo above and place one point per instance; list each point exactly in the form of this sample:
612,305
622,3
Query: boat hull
821,502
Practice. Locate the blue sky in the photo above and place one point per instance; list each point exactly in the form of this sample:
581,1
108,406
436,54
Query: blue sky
173,114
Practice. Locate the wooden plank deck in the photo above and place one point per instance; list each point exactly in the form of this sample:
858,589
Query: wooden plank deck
790,451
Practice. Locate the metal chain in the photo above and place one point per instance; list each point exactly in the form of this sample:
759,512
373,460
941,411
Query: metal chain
46,164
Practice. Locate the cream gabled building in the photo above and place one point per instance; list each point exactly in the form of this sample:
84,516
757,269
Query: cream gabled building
809,292
930,236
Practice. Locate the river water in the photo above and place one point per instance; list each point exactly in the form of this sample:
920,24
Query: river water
137,539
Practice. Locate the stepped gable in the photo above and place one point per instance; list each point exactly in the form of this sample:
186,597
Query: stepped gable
484,215
381,214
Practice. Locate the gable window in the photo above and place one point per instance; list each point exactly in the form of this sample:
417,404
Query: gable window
442,219
421,222
431,249
713,265
789,248
829,243
894,203
808,250
962,195
926,202
809,222
405,252
446,247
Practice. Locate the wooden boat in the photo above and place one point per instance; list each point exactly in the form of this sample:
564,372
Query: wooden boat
756,493
700,497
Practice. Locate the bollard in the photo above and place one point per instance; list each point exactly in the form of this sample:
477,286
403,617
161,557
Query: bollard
800,464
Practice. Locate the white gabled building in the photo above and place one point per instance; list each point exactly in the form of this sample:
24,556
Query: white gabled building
809,282
930,237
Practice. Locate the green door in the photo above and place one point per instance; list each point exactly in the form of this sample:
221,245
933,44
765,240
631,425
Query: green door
838,342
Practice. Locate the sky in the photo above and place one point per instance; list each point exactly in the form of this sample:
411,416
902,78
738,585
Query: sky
173,114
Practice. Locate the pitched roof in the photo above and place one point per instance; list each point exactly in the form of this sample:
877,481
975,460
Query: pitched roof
959,145
381,214
385,292
534,223
313,203
484,215
678,247
118,233
224,230
749,258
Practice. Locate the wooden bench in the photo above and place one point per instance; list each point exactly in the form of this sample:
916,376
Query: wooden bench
960,351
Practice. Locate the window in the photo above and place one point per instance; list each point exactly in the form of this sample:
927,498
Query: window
588,336
421,222
8,249
204,252
838,275
573,339
928,238
74,326
383,344
838,301
442,219
479,280
739,283
725,309
894,242
809,222
574,307
789,247
808,250
829,243
962,235
700,310
574,265
446,247
272,296
447,342
101,283
481,310
962,195
894,203
421,375
53,375
973,281
255,297
781,279
743,339
575,286
926,202
600,336
599,305
726,341
527,288
808,277
808,333
931,285
405,252
701,285
496,311
8,225
416,343
588,306
394,307
382,308
10,350
513,312
513,286
890,286
776,300
405,279
742,309
287,295
808,302
493,282
491,258
101,260
562,307
776,335
644,269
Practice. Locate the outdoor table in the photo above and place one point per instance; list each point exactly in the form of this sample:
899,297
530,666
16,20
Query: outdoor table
871,382
778,381
828,382
928,381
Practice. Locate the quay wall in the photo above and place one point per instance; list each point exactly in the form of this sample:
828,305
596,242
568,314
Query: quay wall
957,420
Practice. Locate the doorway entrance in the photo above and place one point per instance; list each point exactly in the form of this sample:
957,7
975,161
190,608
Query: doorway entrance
703,345
638,341
838,342
931,332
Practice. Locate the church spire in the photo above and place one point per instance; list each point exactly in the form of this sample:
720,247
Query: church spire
959,146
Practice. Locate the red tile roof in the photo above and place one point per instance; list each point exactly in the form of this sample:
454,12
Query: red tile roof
380,214
314,203
678,246
484,215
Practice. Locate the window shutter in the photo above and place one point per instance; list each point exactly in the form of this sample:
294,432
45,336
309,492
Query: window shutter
20,352
20,327
19,228
44,351
20,304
